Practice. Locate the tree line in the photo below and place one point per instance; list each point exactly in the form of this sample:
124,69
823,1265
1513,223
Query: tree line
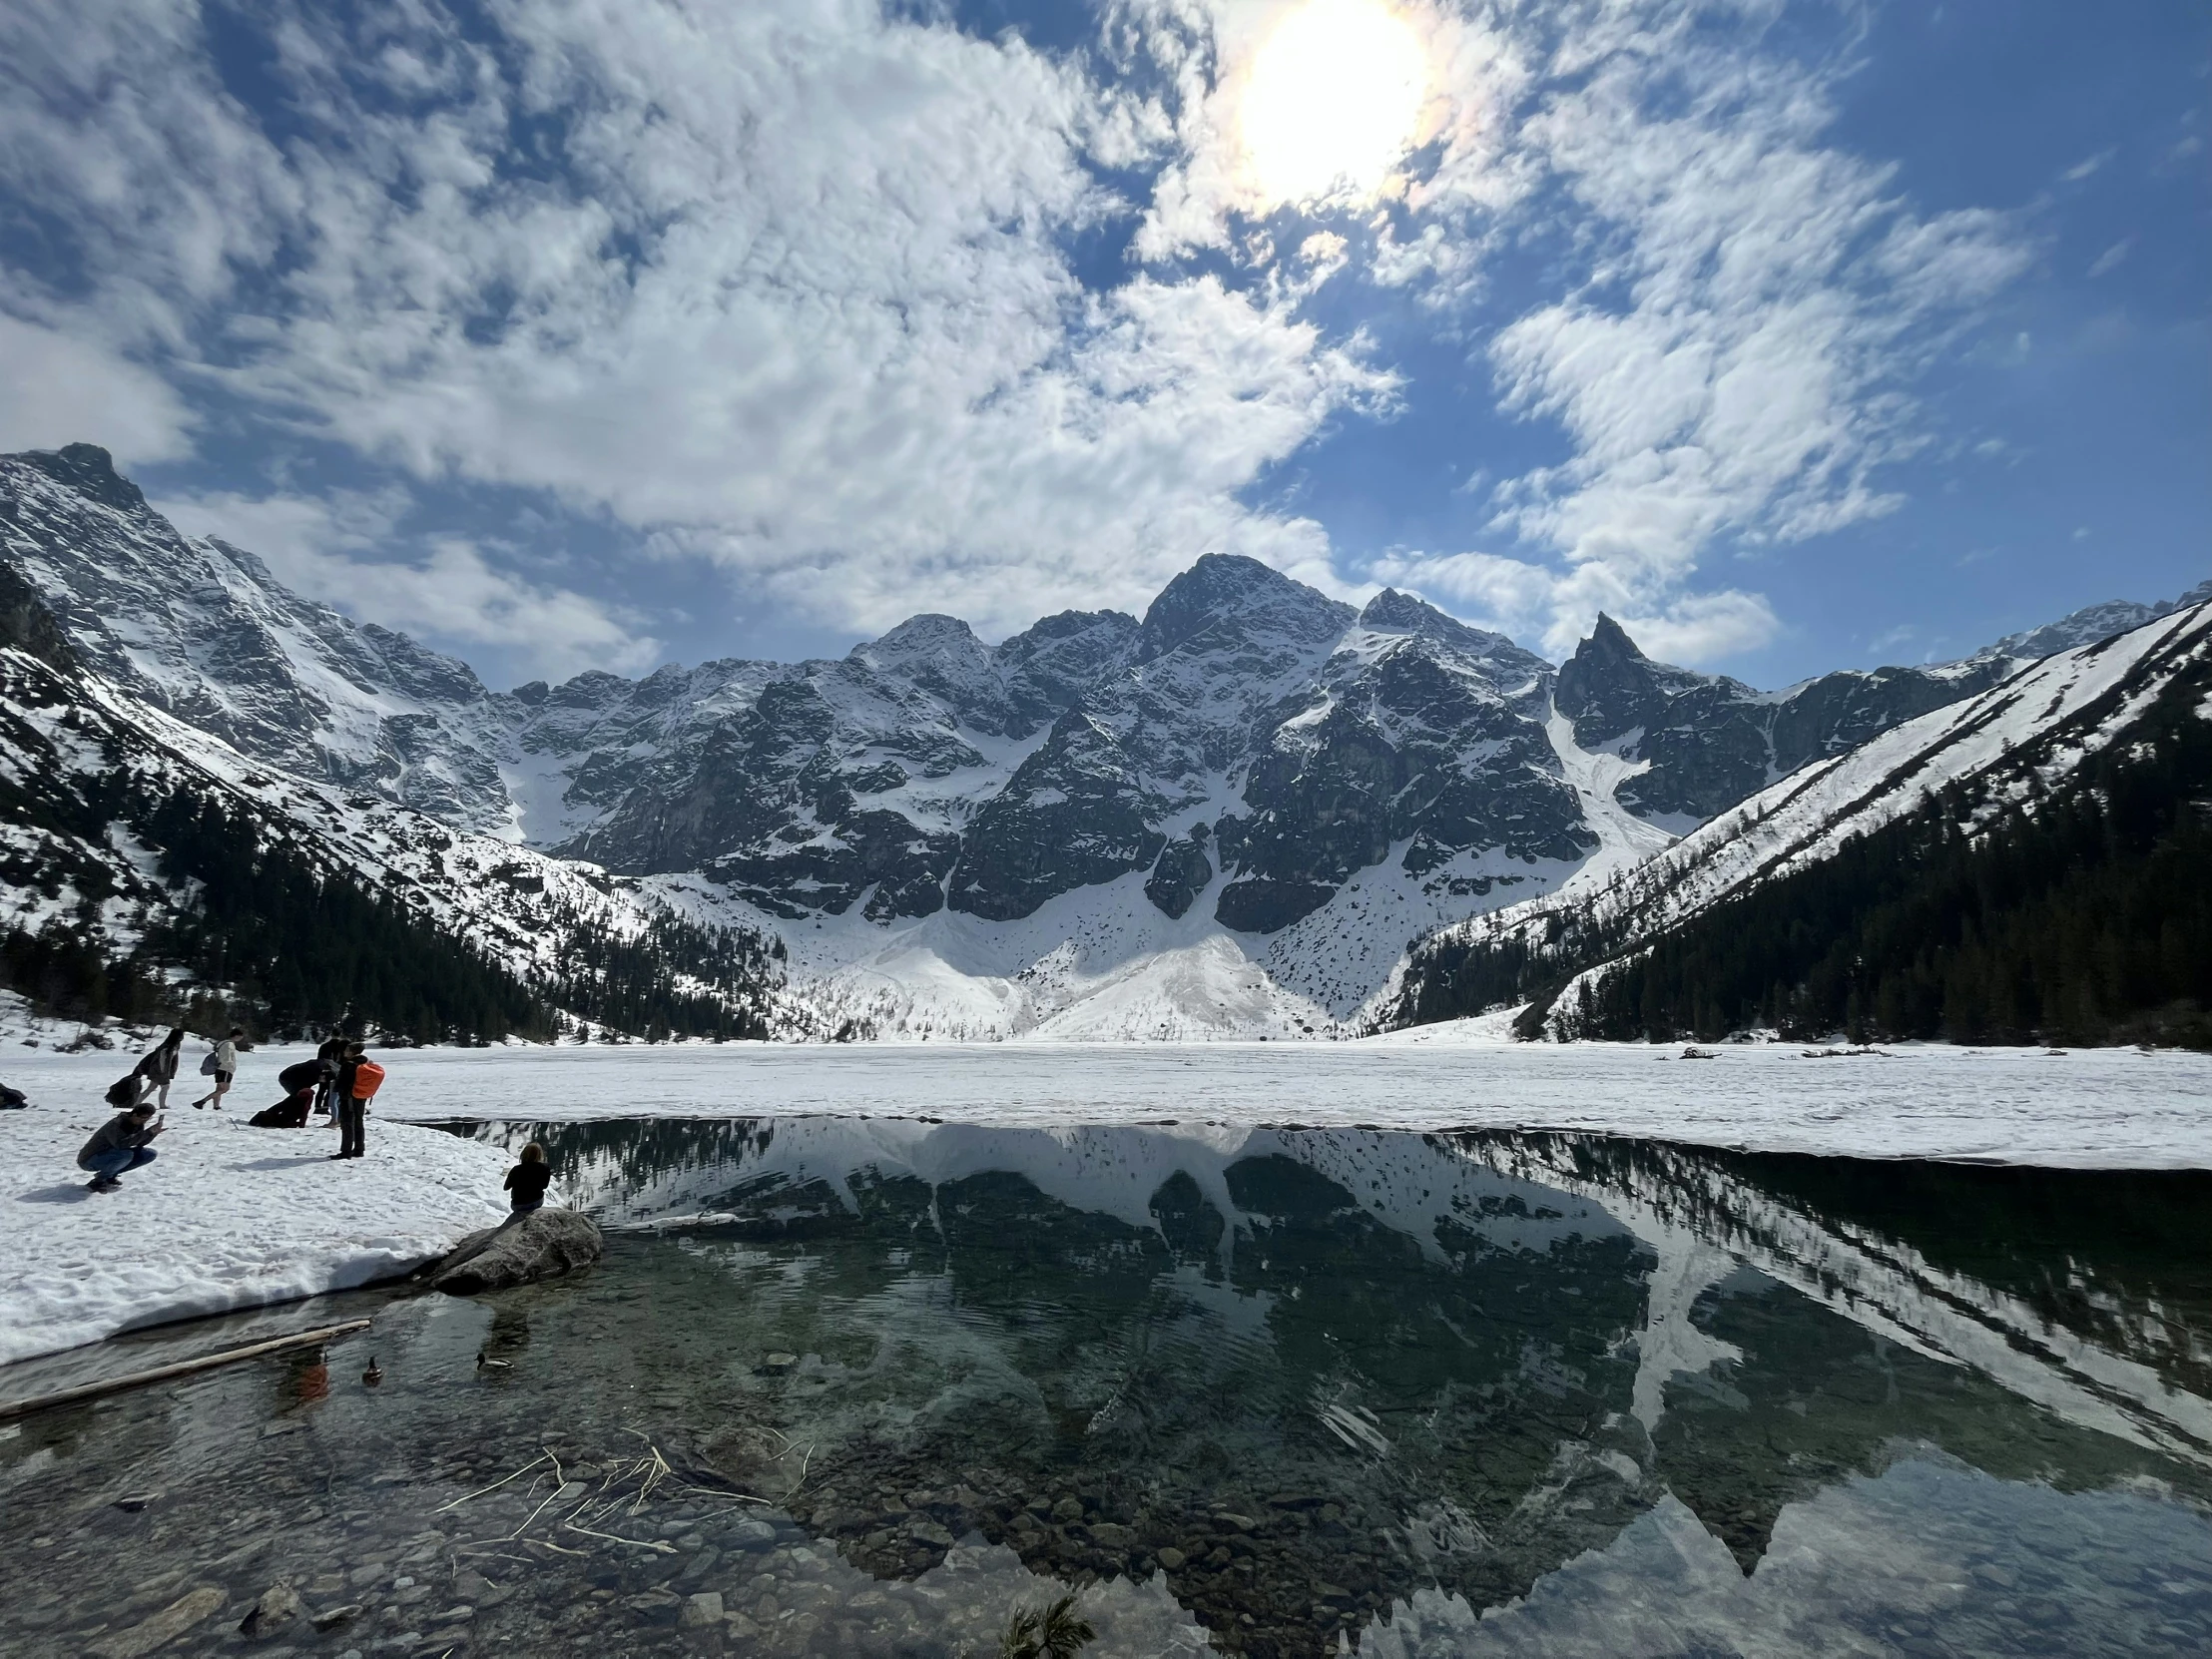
2080,913
260,932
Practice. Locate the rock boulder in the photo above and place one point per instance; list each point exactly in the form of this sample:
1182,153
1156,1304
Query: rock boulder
543,1245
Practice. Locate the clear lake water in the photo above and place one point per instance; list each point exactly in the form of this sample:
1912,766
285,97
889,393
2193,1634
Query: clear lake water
842,1387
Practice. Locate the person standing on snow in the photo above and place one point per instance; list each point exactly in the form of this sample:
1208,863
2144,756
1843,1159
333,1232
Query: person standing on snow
119,1146
159,1069
328,1057
223,1068
352,1106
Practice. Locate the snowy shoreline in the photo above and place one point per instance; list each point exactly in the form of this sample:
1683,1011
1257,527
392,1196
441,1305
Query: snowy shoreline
226,1217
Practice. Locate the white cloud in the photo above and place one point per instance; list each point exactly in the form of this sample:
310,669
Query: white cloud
2083,169
2109,259
330,548
1731,365
791,294
59,386
784,287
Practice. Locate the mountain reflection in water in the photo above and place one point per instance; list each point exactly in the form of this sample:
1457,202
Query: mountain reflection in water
1273,1393
1368,1383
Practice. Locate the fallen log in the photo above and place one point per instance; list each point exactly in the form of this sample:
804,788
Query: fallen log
183,1368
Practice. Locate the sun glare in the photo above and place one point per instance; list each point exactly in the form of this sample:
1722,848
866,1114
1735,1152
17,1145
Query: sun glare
1334,99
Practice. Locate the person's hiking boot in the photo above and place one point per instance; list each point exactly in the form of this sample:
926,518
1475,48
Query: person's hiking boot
102,1183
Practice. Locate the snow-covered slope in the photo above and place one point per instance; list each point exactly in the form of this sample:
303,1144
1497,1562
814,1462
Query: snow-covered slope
1995,748
203,631
81,764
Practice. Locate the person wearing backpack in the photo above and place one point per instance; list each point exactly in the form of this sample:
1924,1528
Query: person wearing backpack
359,1077
221,1064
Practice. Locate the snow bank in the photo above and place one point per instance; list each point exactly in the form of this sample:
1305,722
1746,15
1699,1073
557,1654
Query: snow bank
228,1217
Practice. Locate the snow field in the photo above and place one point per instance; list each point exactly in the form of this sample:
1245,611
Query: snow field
228,1217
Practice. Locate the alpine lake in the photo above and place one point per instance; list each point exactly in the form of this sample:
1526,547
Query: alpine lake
846,1386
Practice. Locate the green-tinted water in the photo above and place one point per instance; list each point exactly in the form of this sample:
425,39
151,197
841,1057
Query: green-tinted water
1270,1392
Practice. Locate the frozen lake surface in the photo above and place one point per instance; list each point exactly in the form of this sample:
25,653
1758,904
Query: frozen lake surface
2089,1108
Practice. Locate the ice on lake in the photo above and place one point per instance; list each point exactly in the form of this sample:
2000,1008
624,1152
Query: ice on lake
2089,1108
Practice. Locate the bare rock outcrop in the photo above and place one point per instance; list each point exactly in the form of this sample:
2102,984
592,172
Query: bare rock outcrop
543,1245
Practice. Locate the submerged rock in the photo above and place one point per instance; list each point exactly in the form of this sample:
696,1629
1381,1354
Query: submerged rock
164,1627
540,1246
278,1607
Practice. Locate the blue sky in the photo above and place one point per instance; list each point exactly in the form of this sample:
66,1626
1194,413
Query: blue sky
577,334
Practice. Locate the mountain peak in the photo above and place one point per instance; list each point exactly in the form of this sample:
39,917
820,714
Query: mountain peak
1221,586
89,470
1609,639
928,632
1402,612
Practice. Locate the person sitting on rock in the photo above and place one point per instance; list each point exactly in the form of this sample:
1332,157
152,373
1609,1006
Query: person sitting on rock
528,1180
120,1146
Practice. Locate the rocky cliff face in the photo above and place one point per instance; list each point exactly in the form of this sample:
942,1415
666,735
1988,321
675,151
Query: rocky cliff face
202,631
1707,741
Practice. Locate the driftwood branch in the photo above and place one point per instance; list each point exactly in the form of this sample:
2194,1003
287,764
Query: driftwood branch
183,1368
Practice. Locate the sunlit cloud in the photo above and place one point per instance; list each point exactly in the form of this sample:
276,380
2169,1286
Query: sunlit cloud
1331,101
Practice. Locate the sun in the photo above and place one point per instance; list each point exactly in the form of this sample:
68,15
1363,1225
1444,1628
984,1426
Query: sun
1332,102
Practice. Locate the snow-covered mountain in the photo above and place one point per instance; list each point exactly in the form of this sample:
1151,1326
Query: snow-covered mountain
1227,816
2007,747
102,798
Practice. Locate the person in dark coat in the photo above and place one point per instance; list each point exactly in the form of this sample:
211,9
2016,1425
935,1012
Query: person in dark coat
119,1146
528,1180
289,1113
159,1069
352,1114
328,1057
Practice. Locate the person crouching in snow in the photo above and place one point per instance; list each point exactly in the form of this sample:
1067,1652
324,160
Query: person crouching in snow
528,1180
222,1065
119,1146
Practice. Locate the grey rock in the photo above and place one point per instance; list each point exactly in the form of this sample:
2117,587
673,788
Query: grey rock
1181,872
192,1608
700,1610
543,1245
278,1607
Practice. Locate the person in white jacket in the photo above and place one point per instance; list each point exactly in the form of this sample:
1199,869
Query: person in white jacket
226,1067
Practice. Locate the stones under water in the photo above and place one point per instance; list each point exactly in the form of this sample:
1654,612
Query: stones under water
873,1387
